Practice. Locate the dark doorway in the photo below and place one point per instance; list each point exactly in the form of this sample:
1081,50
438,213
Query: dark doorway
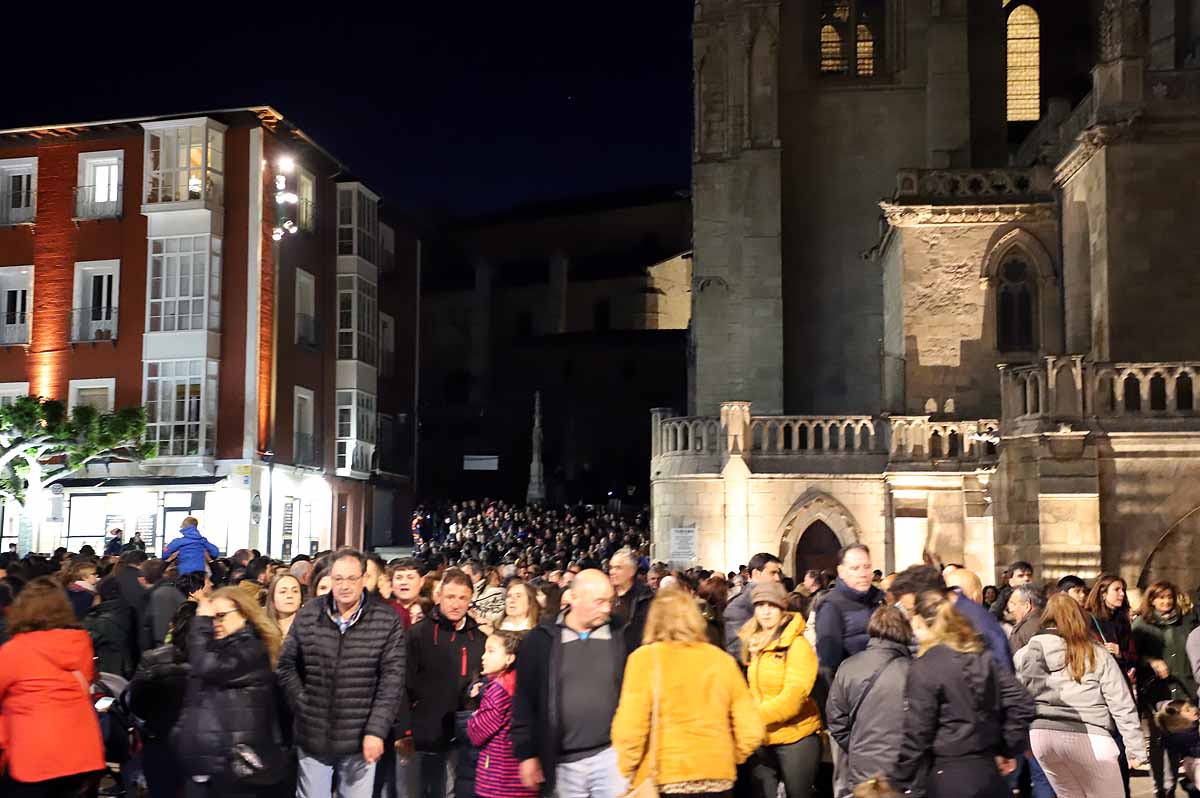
817,548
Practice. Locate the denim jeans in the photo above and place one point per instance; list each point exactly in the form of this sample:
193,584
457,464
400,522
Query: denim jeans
596,776
355,778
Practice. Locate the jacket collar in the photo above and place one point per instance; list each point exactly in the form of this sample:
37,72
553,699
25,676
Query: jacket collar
891,646
861,596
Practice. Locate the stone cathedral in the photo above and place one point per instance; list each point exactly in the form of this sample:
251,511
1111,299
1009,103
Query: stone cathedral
946,288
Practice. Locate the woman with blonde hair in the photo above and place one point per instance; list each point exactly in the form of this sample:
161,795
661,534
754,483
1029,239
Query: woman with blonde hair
660,731
1082,701
227,738
521,608
967,719
781,666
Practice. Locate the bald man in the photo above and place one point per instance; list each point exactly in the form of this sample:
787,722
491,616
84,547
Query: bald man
568,684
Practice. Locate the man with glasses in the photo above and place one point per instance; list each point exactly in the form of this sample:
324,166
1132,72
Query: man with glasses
343,669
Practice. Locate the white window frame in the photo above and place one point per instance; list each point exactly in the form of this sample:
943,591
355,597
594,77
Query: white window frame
11,390
306,208
10,280
358,222
299,427
211,170
387,344
206,433
24,214
109,383
86,204
88,329
305,278
355,450
210,297
363,322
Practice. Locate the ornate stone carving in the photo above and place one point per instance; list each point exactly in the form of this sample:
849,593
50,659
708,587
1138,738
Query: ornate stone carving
921,215
1088,143
1122,30
980,184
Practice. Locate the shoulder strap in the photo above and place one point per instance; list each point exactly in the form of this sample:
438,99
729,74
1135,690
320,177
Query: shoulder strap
867,689
657,688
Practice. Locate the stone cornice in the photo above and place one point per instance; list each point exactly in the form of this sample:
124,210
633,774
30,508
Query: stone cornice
1090,142
925,215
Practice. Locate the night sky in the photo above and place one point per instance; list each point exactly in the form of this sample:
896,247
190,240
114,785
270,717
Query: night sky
464,108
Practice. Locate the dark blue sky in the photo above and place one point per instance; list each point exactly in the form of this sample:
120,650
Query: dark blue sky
466,107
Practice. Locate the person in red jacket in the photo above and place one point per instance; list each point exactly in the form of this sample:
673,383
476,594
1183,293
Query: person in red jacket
50,741
498,772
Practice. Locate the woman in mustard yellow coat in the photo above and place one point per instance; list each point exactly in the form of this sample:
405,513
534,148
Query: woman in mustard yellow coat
707,722
782,668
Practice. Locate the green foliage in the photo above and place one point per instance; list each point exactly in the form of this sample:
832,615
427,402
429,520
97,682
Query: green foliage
40,440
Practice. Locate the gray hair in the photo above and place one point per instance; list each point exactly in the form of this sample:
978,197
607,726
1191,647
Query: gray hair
625,554
1030,595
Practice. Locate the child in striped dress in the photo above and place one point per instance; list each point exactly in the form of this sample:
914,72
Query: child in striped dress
498,773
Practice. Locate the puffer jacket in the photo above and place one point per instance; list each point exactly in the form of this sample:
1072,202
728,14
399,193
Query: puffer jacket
1155,638
1090,705
873,741
343,687
110,623
841,619
781,679
230,700
696,739
157,690
442,663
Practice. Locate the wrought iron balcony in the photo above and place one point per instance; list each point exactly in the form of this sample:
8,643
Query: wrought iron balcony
17,207
14,329
98,202
308,331
94,324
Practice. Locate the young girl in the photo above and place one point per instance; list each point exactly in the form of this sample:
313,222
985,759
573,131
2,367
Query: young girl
498,773
1178,721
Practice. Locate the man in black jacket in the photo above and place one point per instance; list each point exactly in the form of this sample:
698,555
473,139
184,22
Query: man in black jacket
444,656
633,598
342,667
569,673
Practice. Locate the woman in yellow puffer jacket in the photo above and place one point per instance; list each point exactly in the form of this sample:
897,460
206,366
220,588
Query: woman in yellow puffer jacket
707,721
782,668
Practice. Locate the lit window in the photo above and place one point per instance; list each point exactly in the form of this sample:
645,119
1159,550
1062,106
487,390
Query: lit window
181,406
18,191
184,162
866,52
185,274
849,44
98,192
832,61
306,190
1015,308
1024,65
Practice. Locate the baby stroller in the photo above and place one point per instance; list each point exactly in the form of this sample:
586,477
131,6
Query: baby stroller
119,733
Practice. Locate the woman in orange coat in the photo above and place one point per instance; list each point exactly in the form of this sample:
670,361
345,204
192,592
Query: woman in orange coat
49,733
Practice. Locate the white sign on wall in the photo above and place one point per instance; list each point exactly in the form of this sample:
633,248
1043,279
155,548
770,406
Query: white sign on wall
683,545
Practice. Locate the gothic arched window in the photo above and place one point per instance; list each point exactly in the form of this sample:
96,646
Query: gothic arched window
1024,64
1016,296
849,37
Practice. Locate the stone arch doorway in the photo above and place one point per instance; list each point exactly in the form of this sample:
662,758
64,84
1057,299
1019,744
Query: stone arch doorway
813,531
1175,556
817,548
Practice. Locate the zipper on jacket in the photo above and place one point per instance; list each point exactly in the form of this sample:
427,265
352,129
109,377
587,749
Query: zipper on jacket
464,660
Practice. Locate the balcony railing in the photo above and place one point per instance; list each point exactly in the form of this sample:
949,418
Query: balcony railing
17,207
306,453
307,330
1063,388
93,324
14,328
98,202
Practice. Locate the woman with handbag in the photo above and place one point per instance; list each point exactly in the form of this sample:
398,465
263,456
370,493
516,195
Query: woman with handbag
668,740
782,668
227,738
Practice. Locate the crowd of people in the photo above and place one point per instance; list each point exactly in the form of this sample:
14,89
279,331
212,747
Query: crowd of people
524,652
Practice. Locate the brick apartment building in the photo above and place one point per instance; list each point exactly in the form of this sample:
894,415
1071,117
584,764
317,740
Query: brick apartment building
228,273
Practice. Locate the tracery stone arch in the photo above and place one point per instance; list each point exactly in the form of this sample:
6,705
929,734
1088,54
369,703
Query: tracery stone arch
1023,291
814,505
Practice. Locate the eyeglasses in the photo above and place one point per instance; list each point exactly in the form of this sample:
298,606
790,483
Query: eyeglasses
220,616
347,580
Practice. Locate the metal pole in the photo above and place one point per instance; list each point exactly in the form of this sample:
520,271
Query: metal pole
269,456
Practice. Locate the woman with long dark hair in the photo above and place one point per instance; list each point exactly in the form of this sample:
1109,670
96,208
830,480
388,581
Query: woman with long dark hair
1160,636
1082,702
1108,606
966,715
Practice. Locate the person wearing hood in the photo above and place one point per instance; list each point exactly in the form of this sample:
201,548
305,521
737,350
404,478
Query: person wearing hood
191,550
781,668
110,624
444,655
863,713
50,741
1082,700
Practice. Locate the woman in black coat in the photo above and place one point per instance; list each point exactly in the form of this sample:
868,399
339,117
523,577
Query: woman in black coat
227,739
966,719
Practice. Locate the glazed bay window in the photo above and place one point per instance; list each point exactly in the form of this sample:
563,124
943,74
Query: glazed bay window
358,223
185,161
356,433
358,320
181,406
185,284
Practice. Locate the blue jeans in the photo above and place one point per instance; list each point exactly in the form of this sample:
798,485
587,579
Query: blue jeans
596,776
354,776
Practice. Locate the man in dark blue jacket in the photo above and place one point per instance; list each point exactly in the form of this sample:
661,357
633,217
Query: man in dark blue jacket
843,616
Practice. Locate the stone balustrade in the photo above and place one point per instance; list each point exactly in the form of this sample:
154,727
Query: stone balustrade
971,186
813,434
687,435
922,438
1066,387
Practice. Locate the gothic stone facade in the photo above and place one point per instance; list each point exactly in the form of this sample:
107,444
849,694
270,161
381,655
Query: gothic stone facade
997,362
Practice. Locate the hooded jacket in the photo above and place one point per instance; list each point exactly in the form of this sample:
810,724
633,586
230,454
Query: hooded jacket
1090,705
442,663
191,547
873,736
781,678
48,727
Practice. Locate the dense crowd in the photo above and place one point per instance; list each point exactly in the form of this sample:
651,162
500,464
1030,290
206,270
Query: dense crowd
525,652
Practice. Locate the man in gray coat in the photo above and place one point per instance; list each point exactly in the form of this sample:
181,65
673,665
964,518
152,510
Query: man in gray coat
864,713
763,568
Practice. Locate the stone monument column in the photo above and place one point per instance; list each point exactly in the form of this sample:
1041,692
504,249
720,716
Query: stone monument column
536,492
